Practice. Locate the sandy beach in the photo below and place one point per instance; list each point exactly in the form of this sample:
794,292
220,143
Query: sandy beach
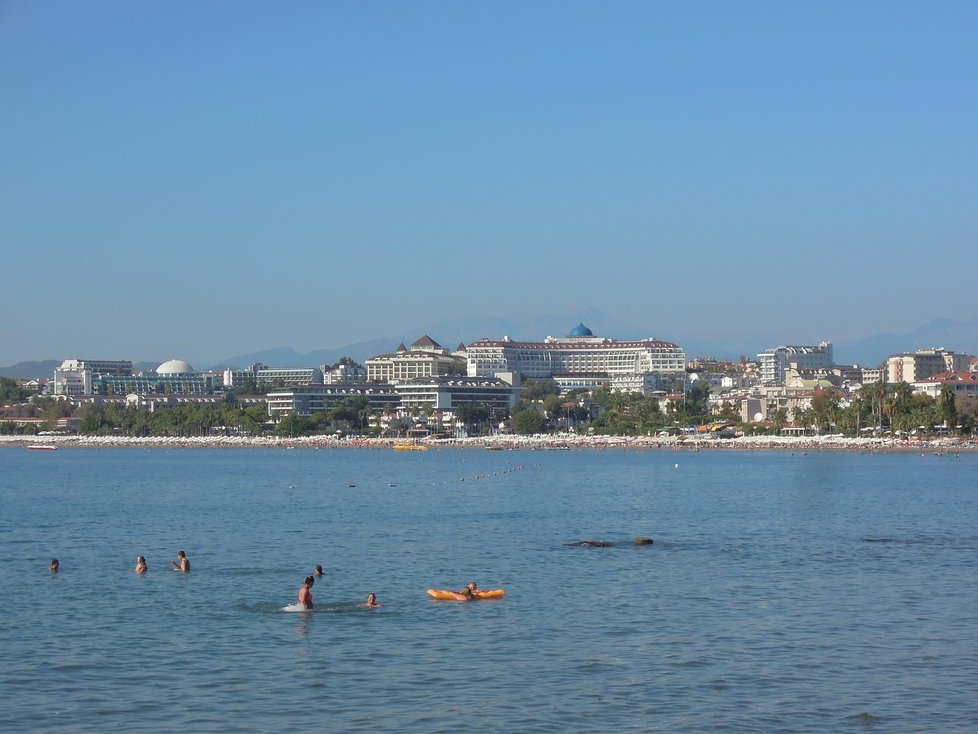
551,442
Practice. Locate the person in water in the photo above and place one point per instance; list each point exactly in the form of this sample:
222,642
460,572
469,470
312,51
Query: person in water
371,601
183,565
463,595
53,568
140,564
305,593
318,572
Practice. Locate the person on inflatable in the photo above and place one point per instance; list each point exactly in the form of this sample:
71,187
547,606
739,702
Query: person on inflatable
463,595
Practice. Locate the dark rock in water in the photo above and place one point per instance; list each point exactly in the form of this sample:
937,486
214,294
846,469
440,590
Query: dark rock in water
643,541
865,717
590,544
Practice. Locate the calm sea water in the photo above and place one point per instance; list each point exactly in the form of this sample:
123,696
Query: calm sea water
761,606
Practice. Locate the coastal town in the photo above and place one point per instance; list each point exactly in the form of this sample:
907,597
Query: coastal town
576,389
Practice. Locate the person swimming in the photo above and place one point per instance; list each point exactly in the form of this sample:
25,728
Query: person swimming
371,601
140,565
53,568
318,572
305,593
184,564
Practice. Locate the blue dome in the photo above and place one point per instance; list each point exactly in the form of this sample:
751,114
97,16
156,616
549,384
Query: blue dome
581,330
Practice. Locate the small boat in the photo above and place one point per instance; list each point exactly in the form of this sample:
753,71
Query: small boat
42,447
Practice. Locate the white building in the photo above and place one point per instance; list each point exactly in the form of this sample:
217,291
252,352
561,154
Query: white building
344,372
961,383
579,358
775,361
448,392
76,376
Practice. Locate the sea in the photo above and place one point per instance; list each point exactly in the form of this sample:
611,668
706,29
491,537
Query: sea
783,591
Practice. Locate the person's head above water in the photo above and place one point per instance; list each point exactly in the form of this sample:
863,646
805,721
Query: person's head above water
181,554
54,565
466,592
473,587
310,580
319,571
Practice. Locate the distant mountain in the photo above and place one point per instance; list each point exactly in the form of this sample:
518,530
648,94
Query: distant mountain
43,370
449,333
958,336
288,357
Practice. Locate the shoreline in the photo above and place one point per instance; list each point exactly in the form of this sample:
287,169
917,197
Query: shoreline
542,442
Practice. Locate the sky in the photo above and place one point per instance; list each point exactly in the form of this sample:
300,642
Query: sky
198,180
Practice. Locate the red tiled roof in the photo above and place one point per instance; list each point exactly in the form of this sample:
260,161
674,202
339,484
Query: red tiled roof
953,377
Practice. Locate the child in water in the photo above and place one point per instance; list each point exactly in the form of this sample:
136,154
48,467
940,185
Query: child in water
371,601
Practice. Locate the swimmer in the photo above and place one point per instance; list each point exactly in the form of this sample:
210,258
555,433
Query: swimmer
318,572
371,601
140,564
184,565
474,588
305,593
463,595
53,568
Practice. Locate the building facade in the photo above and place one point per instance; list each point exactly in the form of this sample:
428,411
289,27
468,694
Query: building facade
425,358
775,361
918,366
77,376
446,393
961,383
579,359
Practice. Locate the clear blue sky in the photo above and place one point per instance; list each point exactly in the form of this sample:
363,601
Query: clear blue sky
202,179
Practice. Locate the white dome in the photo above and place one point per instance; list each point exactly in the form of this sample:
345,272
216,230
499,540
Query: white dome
174,367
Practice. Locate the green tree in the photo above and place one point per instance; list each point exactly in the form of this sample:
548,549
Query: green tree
948,407
824,410
527,422
11,392
538,389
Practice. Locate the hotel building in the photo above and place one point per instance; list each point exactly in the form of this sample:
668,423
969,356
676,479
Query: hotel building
774,362
580,360
425,358
918,366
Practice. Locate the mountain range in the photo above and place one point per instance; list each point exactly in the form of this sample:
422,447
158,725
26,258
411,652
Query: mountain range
959,336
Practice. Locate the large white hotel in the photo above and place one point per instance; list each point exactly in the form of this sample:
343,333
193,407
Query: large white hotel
580,360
